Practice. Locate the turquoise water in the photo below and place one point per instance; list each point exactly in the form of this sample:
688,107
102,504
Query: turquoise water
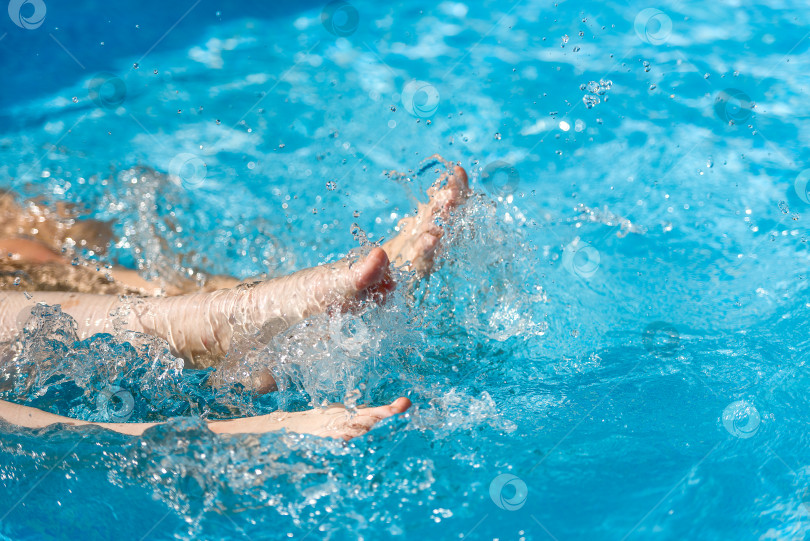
613,347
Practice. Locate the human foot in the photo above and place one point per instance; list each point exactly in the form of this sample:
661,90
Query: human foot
342,285
414,248
333,422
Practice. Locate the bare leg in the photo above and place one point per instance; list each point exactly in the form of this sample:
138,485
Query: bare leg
334,422
200,327
414,248
34,235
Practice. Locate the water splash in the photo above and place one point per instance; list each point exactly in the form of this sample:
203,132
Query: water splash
102,378
606,217
156,237
488,282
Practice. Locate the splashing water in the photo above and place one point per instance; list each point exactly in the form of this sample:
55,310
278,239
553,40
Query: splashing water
502,301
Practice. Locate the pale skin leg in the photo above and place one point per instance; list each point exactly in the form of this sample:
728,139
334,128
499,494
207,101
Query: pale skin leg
333,422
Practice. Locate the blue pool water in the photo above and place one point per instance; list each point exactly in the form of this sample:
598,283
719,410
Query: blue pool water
613,347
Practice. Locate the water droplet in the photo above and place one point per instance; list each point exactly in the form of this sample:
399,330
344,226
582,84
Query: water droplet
590,100
75,99
393,108
498,136
652,87
135,66
331,185
155,72
356,213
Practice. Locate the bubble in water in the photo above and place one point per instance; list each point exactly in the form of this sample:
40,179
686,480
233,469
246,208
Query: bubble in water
590,100
331,185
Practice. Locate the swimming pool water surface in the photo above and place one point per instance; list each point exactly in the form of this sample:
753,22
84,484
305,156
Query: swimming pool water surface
613,347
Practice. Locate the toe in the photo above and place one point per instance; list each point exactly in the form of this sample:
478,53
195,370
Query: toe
379,413
399,405
461,177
